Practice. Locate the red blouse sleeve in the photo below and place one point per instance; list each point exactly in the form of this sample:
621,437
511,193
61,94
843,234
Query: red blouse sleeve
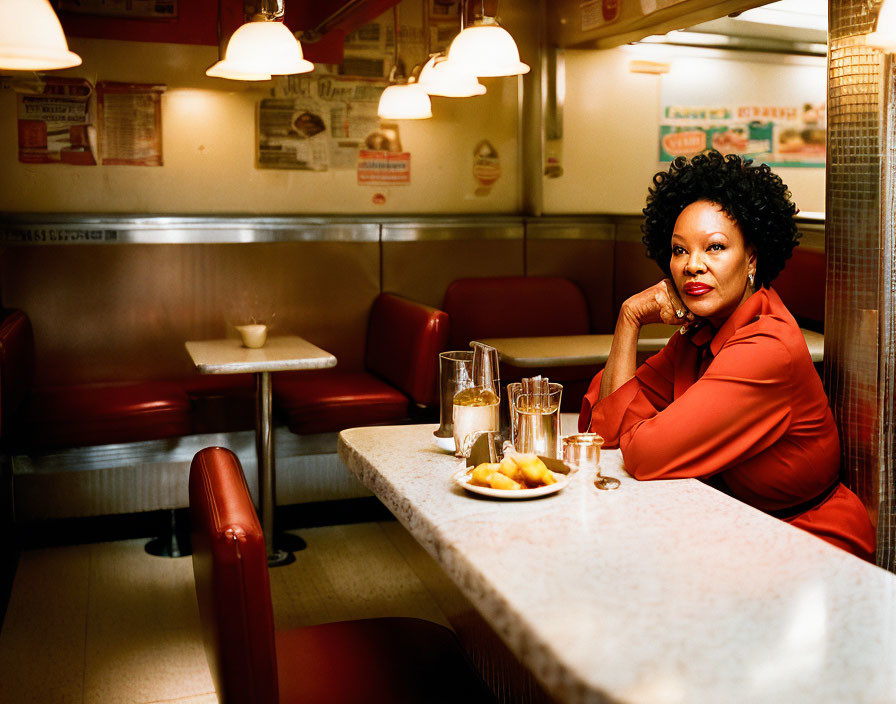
738,408
654,381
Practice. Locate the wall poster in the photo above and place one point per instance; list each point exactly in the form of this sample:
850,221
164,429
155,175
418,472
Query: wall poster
777,135
54,124
771,111
317,123
383,168
130,118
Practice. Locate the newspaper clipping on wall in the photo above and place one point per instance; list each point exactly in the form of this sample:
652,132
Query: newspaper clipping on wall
54,122
318,123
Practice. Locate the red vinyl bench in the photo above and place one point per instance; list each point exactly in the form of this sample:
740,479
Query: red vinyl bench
404,339
82,415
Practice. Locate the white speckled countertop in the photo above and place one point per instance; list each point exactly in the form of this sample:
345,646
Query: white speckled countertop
664,591
283,353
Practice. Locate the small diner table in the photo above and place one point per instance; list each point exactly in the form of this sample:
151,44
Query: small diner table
662,591
281,353
575,350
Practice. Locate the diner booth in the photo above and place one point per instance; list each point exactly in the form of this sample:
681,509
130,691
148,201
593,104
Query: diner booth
138,251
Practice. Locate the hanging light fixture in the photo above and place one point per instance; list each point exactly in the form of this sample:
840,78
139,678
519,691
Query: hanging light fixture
262,47
31,38
486,49
441,77
402,100
884,34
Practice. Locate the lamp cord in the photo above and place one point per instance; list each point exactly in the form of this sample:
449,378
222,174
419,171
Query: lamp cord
396,60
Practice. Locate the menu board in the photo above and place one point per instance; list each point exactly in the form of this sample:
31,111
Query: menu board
130,117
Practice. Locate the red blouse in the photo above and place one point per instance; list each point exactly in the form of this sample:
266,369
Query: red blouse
744,409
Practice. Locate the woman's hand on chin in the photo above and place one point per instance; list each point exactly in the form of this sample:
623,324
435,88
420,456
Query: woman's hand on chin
658,304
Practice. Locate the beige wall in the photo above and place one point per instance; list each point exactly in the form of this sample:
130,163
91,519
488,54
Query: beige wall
209,150
609,145
611,121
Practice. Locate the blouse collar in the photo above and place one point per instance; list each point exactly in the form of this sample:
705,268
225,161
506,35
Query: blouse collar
763,302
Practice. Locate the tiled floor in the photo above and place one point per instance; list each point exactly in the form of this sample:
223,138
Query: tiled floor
107,623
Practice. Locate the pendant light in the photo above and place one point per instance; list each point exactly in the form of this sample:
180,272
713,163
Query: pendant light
884,35
486,49
441,77
262,47
402,99
31,38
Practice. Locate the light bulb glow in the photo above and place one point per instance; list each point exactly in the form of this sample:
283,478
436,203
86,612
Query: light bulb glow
486,50
441,77
222,70
259,49
404,102
31,38
884,35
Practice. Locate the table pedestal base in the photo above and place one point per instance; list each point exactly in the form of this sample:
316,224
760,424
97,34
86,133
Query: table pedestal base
279,547
285,544
174,540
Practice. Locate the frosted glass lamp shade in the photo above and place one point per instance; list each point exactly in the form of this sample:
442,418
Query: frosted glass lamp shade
221,70
404,102
259,49
486,50
444,78
884,34
31,38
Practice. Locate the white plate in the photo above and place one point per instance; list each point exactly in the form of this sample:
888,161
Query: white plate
446,444
462,479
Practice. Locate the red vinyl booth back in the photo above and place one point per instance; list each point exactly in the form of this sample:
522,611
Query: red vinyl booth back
232,585
514,306
16,363
404,339
802,285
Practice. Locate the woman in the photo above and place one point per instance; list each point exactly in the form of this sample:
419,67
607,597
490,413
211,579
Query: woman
733,400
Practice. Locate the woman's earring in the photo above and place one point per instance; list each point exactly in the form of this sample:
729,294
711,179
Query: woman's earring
750,278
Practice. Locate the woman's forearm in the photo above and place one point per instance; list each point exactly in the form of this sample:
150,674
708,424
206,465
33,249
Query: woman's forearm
622,360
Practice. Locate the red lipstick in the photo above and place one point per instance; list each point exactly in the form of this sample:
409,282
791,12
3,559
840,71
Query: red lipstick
694,288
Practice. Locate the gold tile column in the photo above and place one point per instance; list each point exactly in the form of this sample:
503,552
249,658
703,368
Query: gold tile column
860,313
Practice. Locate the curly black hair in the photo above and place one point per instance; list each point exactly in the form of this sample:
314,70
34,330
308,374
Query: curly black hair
754,197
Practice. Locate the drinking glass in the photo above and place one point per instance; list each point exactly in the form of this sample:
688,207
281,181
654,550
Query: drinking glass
535,422
455,374
582,450
477,407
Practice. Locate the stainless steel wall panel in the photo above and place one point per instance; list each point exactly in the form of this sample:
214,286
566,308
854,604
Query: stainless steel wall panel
152,475
586,262
886,480
47,228
109,313
423,269
597,228
453,229
858,263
